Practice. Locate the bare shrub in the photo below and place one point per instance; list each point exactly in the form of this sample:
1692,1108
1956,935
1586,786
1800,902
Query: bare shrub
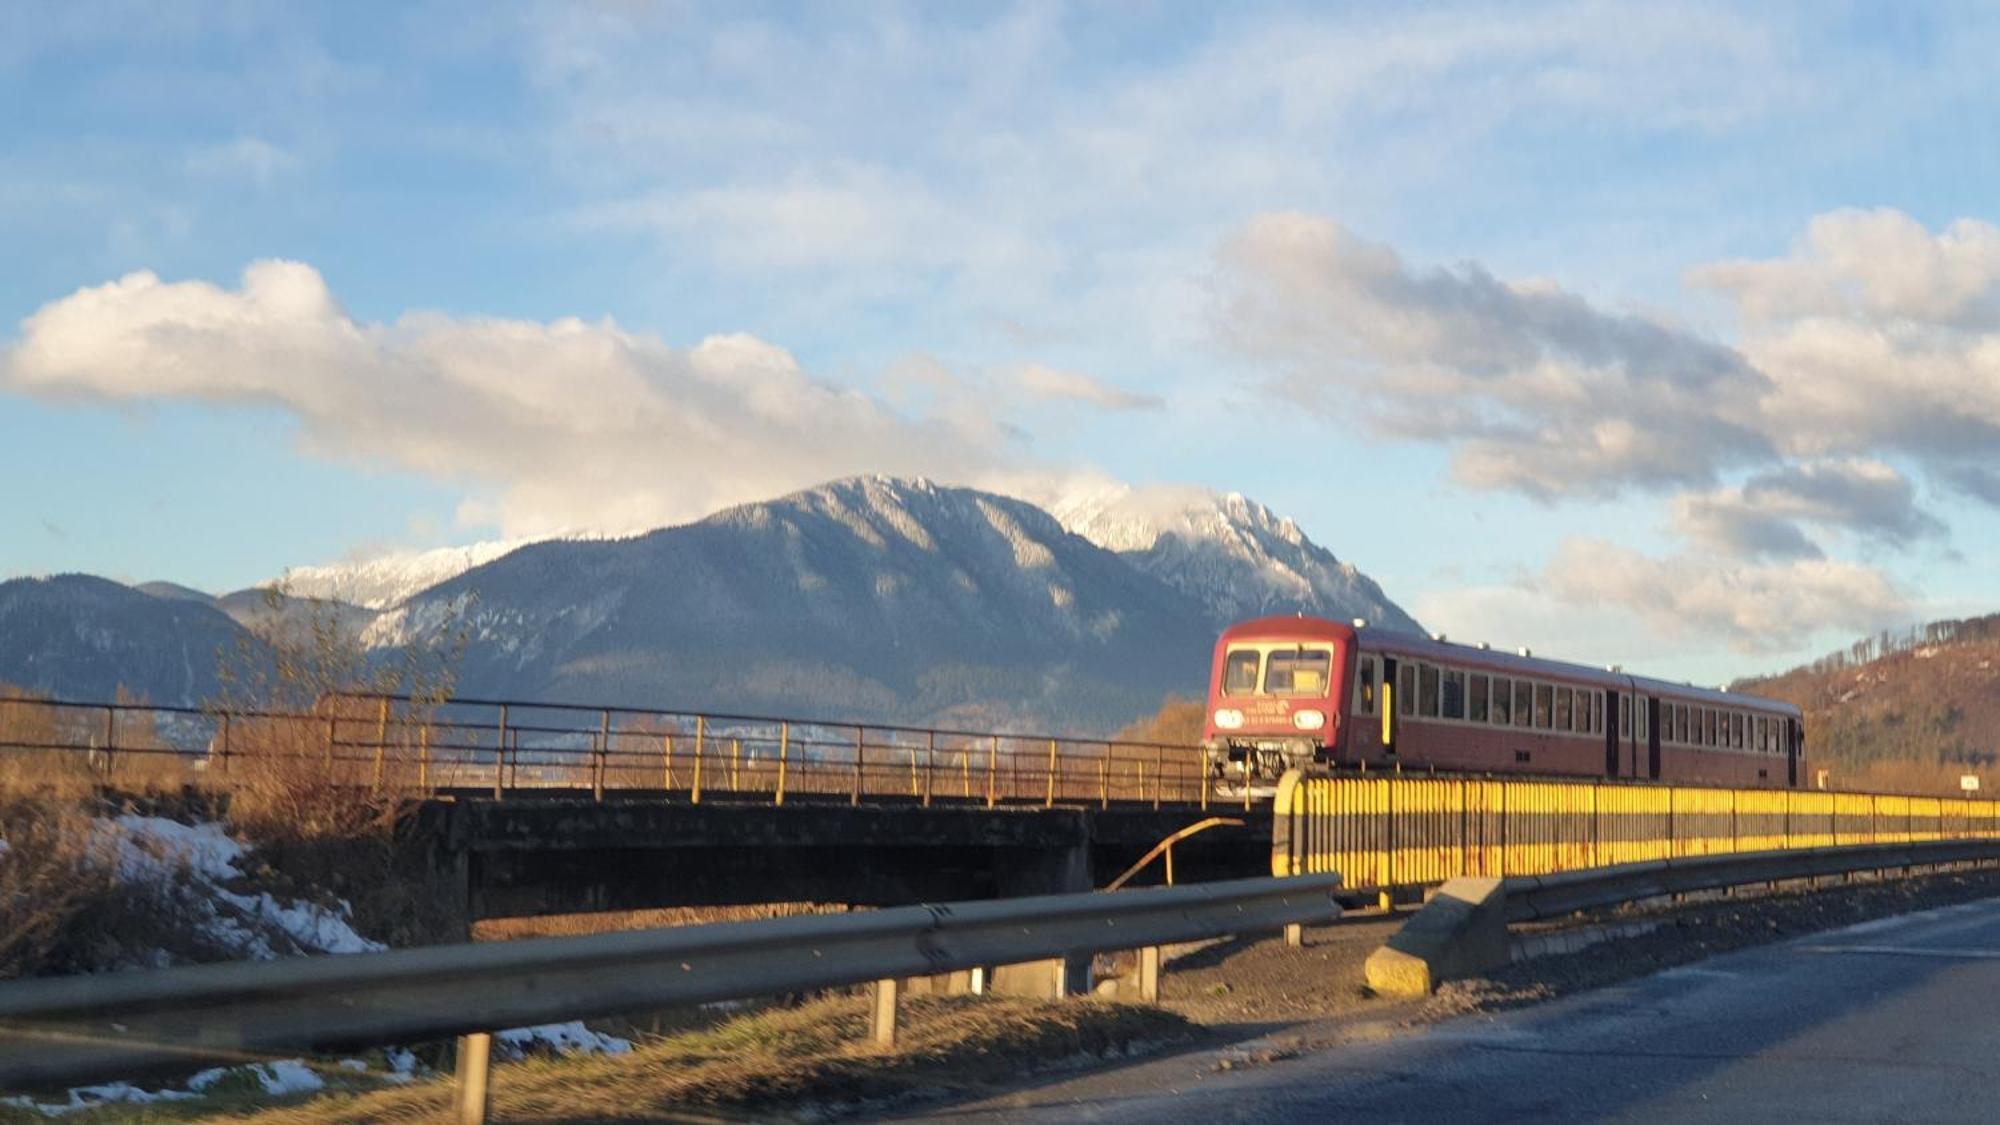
1178,722
321,759
321,733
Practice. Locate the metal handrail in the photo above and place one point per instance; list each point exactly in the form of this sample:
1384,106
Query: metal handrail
70,1029
504,747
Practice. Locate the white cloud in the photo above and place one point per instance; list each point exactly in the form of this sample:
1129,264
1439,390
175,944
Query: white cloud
251,158
577,425
1538,390
1879,336
1761,517
1069,386
1759,607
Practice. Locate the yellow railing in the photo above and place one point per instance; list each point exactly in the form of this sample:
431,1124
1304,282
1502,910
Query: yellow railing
1386,832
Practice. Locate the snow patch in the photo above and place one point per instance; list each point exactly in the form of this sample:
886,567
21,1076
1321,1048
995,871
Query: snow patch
257,925
564,1038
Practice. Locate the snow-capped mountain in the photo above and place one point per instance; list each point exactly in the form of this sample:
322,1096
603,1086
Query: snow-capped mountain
381,582
1231,554
898,599
874,598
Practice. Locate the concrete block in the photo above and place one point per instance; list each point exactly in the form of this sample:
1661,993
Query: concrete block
1041,980
1460,932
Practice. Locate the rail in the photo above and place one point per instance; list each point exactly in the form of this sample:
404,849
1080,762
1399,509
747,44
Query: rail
1532,897
505,749
1391,833
1462,930
71,1029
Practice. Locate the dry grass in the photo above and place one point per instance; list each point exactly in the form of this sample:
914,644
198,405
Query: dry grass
788,1059
612,921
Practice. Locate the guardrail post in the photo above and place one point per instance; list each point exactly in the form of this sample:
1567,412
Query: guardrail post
992,769
784,754
1149,973
470,1095
1159,772
1295,935
1051,801
882,1013
700,749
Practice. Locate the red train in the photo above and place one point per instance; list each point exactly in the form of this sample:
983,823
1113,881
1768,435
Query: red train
1297,691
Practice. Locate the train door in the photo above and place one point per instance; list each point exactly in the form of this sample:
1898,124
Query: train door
1794,746
1653,739
1392,701
1611,702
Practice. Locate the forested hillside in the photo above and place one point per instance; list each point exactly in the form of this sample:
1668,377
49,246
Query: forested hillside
1910,711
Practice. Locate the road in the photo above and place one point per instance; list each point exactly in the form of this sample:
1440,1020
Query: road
1894,1020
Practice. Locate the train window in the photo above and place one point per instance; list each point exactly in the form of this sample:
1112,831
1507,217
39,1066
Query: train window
1545,704
1239,672
1427,692
1503,698
1406,689
1476,698
1624,716
1364,686
1711,728
1562,709
1597,712
1736,731
1297,671
1524,702
1763,735
1681,723
1453,701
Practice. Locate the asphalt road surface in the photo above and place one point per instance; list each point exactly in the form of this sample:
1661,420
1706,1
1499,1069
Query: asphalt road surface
1895,1020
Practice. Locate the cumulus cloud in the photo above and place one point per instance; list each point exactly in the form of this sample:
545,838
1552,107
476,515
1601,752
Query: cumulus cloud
575,425
1879,336
1536,389
1761,517
1761,607
1070,386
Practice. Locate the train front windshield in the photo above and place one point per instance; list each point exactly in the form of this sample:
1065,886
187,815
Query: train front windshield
1277,671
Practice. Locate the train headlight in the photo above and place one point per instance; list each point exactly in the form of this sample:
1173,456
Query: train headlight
1229,718
1308,720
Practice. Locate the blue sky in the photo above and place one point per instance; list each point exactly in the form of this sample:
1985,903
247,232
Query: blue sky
1662,335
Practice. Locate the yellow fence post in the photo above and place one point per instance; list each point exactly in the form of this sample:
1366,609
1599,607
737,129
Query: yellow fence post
784,753
700,737
381,741
1051,801
930,765
992,769
860,741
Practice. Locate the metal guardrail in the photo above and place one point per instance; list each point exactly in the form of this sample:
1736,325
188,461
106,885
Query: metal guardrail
1385,833
1462,930
513,748
71,1029
1531,897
